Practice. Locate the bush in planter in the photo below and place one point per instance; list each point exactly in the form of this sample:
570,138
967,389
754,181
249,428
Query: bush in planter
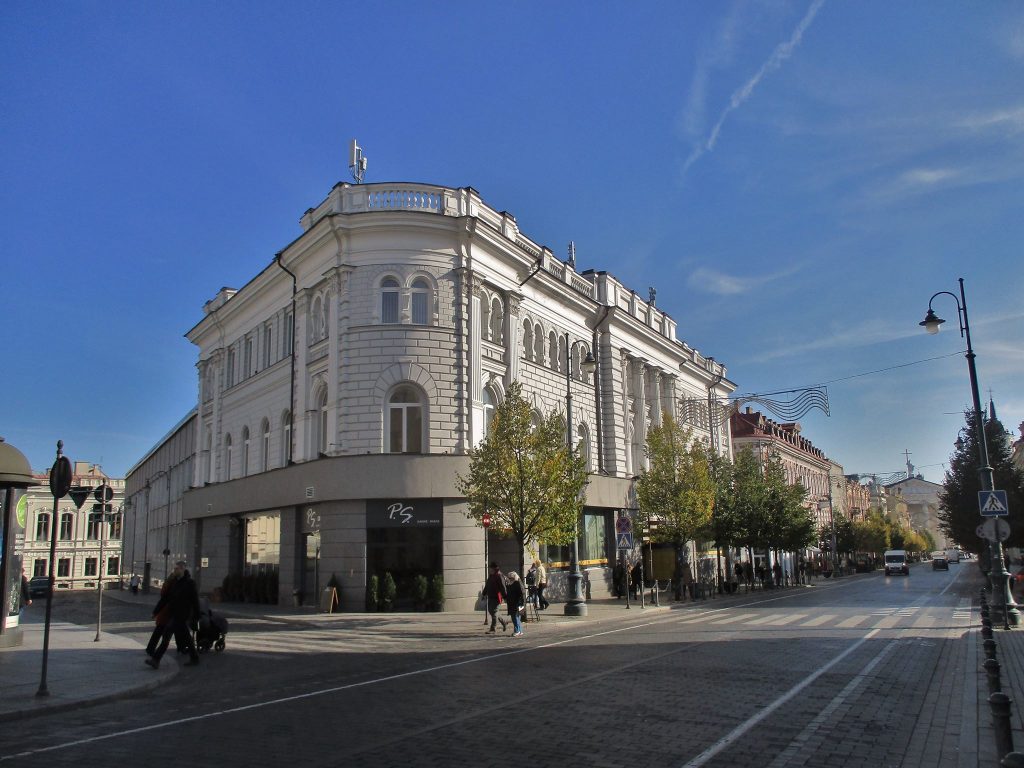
436,596
388,592
372,593
419,592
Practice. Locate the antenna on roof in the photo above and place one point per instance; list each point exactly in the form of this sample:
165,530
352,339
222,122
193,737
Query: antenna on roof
572,254
356,161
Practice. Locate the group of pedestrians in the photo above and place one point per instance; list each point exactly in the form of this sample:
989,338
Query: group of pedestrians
499,589
176,615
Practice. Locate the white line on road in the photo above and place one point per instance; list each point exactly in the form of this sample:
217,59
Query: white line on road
742,728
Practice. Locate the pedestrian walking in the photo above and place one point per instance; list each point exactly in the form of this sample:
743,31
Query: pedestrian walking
161,615
777,573
516,603
542,584
495,592
133,583
637,578
183,601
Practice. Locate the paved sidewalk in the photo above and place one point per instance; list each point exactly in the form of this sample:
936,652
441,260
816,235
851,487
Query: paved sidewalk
79,670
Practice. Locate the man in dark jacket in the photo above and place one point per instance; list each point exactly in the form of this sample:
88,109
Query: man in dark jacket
182,600
495,592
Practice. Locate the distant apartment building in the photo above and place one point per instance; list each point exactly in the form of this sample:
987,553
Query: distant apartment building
88,545
858,497
802,461
921,501
341,389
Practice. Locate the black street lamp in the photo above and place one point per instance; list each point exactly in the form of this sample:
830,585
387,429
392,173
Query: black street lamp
1003,605
576,605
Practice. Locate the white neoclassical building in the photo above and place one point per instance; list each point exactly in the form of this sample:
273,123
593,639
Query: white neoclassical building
341,388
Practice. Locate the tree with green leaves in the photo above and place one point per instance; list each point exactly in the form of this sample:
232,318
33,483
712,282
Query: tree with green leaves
676,489
524,477
748,498
958,500
871,535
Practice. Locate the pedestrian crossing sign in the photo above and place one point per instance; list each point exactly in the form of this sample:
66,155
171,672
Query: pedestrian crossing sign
993,503
624,541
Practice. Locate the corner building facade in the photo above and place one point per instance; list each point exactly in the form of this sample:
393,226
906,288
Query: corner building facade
341,389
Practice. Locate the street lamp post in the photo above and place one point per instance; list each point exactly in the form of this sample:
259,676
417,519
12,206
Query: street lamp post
1003,605
576,605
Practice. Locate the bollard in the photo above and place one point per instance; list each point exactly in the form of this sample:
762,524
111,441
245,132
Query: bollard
1000,704
986,631
992,671
1013,760
985,612
990,648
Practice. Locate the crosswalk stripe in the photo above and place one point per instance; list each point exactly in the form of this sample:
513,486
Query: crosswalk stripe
731,619
853,621
769,619
888,622
819,620
788,619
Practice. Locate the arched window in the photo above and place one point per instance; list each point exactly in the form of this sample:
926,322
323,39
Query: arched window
583,444
405,421
265,455
389,300
208,458
528,351
489,404
536,419
538,345
485,317
322,432
43,526
67,526
227,457
286,438
316,321
554,359
497,321
420,301
245,451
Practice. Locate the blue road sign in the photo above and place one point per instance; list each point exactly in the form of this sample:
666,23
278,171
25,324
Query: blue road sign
624,541
993,503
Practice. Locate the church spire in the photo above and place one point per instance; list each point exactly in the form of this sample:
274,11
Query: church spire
991,407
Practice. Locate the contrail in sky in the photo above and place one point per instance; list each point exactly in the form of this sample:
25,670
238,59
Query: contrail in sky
782,52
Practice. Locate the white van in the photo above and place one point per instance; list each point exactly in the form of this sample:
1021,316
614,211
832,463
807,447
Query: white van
953,555
896,562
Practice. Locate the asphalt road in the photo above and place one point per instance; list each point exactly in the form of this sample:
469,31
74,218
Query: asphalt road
854,672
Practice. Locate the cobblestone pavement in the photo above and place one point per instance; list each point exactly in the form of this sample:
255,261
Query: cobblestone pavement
865,671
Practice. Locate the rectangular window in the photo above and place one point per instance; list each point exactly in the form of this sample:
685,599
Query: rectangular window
43,527
247,371
64,567
594,544
268,346
414,430
229,374
419,308
90,566
289,333
39,568
95,521
395,422
389,307
113,564
66,526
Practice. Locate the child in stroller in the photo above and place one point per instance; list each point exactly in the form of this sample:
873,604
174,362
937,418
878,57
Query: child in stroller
211,629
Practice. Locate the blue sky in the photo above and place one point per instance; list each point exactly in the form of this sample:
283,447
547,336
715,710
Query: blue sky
795,178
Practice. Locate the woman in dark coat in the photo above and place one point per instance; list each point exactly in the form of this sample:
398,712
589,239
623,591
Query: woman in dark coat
516,601
494,591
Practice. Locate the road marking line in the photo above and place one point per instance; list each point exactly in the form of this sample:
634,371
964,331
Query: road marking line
788,619
817,622
853,621
888,623
742,728
731,619
769,619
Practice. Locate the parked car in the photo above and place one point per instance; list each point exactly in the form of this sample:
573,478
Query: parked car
939,561
38,586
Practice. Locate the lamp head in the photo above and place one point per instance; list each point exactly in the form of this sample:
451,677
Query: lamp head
931,322
589,364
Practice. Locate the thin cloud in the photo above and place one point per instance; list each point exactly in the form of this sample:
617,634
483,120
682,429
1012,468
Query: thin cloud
782,52
722,284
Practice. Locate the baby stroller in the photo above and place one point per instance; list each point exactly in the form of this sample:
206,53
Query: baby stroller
211,630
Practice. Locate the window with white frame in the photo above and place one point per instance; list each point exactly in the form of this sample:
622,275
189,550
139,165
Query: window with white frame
528,351
39,567
248,358
583,442
554,358
389,290
321,421
95,525
265,454
91,566
286,438
538,344
497,319
268,346
245,451
420,301
489,406
227,457
405,421
229,373
289,332
43,526
67,526
113,566
63,567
